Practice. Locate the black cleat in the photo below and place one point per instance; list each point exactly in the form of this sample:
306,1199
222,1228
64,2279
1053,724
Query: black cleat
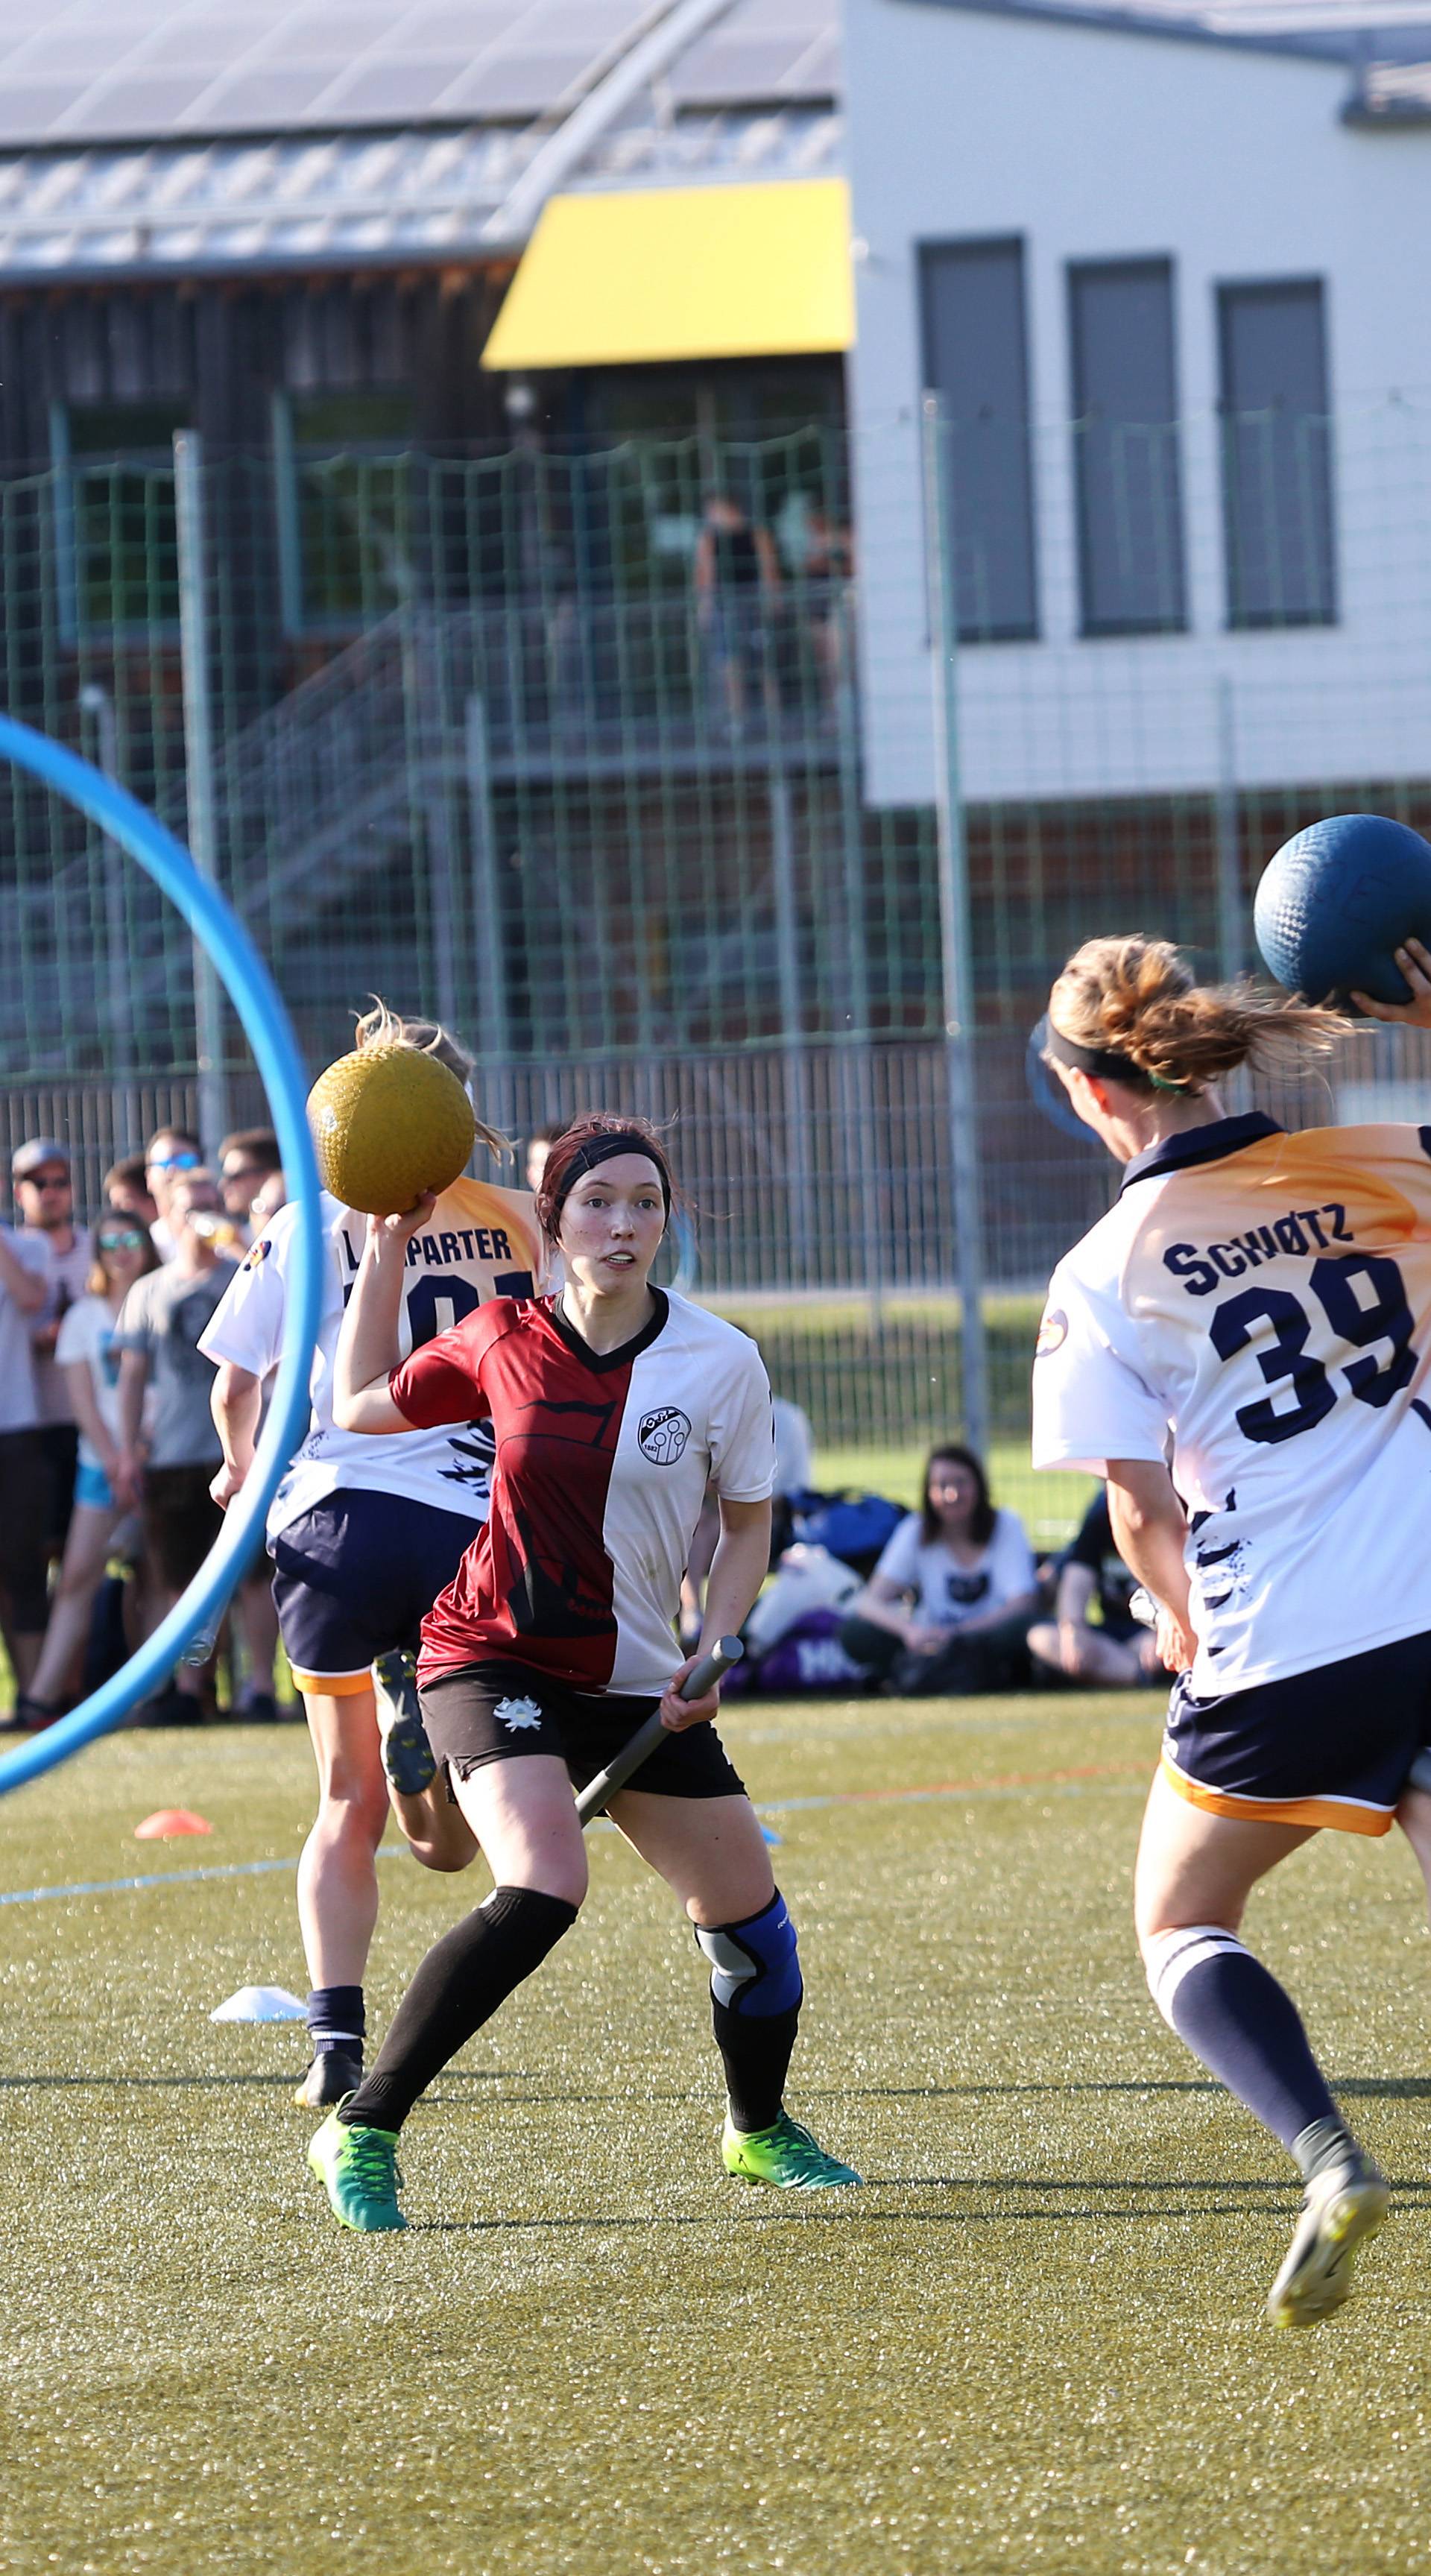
333,2075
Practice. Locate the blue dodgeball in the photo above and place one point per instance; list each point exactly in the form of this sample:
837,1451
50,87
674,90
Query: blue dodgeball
1337,899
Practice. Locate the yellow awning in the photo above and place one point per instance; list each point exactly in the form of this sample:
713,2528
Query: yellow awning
660,273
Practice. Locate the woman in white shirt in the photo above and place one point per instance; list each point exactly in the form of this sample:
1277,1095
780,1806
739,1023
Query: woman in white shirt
123,1252
947,1608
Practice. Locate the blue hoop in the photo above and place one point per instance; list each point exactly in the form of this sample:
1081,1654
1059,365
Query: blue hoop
251,990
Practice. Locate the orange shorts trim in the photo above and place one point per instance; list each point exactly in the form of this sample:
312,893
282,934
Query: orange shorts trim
1342,1815
332,1685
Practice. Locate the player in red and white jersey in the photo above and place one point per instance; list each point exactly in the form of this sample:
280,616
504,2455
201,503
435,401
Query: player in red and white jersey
613,1405
364,1534
1242,1347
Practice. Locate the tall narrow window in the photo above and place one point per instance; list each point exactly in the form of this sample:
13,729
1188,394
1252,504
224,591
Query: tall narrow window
348,486
114,490
975,359
1276,456
1125,432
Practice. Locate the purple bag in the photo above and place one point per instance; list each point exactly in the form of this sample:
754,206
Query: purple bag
809,1657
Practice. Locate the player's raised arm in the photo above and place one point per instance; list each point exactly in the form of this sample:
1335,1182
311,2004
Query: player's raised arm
368,1349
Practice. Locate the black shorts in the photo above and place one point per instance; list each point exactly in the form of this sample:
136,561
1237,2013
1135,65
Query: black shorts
181,1521
356,1577
494,1712
60,1443
24,1491
1329,1747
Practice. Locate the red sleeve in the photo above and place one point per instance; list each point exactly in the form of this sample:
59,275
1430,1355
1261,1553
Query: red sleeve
442,1382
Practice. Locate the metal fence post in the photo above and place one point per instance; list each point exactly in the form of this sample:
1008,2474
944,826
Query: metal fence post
1231,926
787,958
954,934
199,769
118,1007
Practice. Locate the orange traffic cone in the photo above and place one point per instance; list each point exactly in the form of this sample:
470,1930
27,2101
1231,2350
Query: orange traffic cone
168,1821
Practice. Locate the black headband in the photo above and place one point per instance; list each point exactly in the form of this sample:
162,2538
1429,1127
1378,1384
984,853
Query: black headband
600,1149
1103,1061
1100,1060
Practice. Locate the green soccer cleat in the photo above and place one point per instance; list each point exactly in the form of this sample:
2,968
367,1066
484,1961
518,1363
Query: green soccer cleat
407,1756
1343,2204
358,2169
787,2157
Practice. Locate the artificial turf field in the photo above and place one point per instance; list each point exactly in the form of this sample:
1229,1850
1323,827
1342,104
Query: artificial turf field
1034,2341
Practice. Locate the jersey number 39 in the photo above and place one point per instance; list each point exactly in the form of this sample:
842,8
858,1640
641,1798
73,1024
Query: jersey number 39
1364,1300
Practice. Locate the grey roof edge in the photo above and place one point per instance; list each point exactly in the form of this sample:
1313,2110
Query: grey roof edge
1341,47
230,210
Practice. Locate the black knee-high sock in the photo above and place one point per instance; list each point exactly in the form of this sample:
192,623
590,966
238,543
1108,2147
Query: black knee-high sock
458,1986
1231,2012
755,2050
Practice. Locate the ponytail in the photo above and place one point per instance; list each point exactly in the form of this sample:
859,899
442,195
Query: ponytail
1134,1000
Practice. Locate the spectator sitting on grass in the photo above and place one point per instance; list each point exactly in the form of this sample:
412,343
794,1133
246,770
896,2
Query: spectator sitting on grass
947,1608
1117,1651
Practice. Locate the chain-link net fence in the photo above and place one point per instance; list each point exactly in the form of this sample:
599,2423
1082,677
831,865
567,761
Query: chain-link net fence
669,793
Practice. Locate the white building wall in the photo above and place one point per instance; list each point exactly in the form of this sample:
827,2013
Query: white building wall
1099,144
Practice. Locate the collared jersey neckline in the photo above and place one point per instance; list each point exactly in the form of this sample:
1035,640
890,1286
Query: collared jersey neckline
1193,1145
600,1361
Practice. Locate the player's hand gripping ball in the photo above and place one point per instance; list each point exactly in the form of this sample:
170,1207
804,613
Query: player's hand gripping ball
1337,900
388,1123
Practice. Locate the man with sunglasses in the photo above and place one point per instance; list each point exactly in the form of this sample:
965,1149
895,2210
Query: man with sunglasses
44,1202
24,1605
247,1159
171,1153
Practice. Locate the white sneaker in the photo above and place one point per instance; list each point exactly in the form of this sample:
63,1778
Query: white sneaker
1340,2206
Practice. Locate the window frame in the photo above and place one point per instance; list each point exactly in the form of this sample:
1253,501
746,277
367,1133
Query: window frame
1095,629
298,622
971,245
70,468
1225,290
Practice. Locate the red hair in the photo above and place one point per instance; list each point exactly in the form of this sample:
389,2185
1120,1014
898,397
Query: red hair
558,1176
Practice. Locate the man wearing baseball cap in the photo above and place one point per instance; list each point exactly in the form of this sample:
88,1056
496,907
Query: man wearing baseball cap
44,1201
24,1608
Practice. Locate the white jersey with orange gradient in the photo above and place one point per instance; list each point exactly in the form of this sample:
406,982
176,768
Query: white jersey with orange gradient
481,1242
1256,1310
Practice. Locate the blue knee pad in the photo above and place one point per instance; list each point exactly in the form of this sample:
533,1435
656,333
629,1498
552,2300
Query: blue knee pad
755,1967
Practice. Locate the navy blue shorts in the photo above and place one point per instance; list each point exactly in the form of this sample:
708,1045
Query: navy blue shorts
356,1577
494,1712
1329,1747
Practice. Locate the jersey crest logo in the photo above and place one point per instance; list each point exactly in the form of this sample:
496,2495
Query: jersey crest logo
1052,1333
258,1254
515,1714
663,1435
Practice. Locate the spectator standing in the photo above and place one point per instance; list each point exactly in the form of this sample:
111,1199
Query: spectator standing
539,1145
247,1160
126,1187
44,1201
168,1469
24,1606
169,1154
948,1607
737,581
86,1355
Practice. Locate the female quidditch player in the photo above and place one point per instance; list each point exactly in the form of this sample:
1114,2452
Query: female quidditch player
364,1535
1241,1346
612,1405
